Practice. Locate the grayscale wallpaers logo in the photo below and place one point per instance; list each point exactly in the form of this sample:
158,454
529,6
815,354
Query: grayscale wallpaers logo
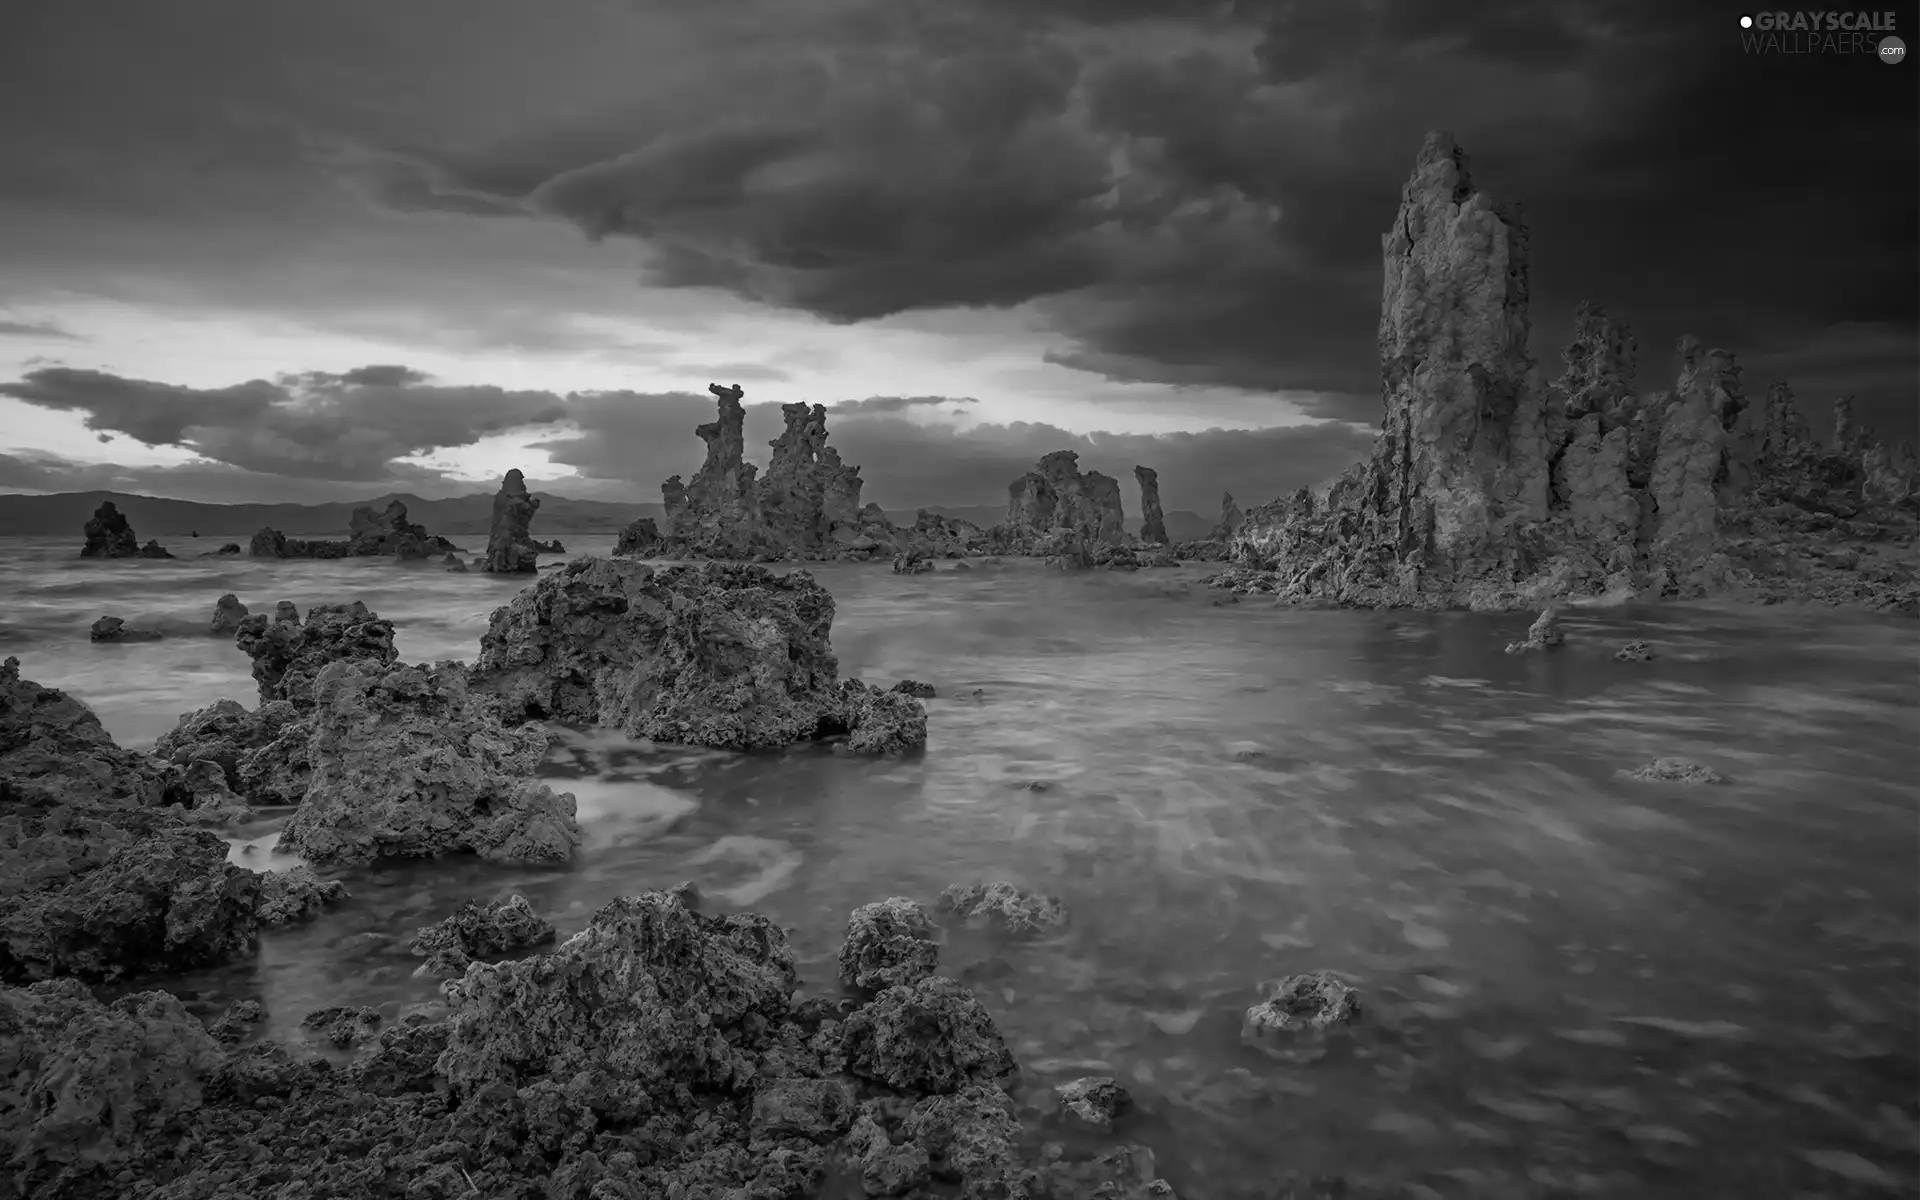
1825,32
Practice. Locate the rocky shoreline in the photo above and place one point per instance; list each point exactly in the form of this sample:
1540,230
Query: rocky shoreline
661,1051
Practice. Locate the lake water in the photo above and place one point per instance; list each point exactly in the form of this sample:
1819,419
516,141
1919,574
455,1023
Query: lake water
1574,984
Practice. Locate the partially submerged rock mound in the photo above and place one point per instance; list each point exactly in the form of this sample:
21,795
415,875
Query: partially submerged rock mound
371,533
116,629
639,540
228,612
1489,489
730,656
407,764
109,535
511,549
480,933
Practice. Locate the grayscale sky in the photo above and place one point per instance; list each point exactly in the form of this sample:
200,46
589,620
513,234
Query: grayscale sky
254,250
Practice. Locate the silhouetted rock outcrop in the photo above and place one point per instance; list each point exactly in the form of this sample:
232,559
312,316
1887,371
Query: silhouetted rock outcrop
109,535
371,533
721,655
1488,488
717,513
511,549
639,540
228,612
116,629
1153,521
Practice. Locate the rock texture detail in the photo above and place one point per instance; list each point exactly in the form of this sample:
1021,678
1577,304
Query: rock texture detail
408,764
1490,488
1056,498
729,656
511,549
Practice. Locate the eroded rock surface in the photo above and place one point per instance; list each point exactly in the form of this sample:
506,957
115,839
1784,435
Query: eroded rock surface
1056,498
889,942
407,763
1297,1014
1544,634
296,894
289,654
731,656
511,549
639,540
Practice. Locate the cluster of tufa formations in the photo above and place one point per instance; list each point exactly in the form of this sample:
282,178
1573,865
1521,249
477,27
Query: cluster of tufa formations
1491,489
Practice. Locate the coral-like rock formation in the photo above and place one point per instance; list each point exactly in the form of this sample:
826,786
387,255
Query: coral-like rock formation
890,942
658,1053
1057,496
407,764
1490,489
297,894
287,654
480,933
54,751
228,612
1153,521
511,549
109,535
262,755
1005,907
729,656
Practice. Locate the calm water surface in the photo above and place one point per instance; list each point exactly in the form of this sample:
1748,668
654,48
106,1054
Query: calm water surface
1575,984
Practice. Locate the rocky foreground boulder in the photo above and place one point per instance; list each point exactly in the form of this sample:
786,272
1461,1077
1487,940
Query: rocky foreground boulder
1488,488
289,654
407,763
724,655
658,1053
101,877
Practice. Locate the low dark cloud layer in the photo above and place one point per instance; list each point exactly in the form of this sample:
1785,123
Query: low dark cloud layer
338,434
314,426
35,329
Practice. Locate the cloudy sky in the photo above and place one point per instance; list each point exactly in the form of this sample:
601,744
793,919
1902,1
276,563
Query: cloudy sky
258,250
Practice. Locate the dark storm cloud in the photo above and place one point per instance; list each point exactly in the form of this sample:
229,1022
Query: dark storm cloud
1192,212
335,427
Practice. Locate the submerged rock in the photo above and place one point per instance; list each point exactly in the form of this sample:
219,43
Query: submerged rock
1675,770
371,533
480,933
730,656
888,943
511,549
1299,1012
341,1026
1635,651
296,894
108,535
153,549
407,763
911,562
1095,1102
1006,907
228,612
288,654
114,629
914,688
1544,634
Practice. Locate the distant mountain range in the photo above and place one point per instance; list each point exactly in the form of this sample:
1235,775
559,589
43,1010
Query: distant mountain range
459,516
